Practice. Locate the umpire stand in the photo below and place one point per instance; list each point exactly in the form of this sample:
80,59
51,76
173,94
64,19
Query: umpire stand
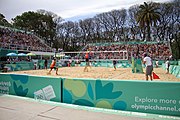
136,65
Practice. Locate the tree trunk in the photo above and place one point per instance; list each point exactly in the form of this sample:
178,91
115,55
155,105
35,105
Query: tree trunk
144,33
148,33
178,46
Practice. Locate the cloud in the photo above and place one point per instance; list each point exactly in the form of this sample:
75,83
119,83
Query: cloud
65,8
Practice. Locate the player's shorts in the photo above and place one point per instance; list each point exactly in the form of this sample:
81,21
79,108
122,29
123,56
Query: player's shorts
53,67
149,70
87,62
114,64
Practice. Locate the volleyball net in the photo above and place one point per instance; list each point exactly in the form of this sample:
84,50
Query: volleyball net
96,55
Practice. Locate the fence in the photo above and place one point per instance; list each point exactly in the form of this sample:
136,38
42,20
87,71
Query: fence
139,96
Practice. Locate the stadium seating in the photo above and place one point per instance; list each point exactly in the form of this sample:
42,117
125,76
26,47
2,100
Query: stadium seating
156,50
15,39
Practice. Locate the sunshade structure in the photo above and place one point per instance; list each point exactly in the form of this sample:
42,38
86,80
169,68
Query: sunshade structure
12,54
31,54
21,55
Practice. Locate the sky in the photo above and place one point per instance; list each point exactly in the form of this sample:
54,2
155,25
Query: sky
67,9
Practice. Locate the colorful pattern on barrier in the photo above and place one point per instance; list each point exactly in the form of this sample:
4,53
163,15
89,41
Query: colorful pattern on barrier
45,88
92,93
139,96
173,69
20,66
120,64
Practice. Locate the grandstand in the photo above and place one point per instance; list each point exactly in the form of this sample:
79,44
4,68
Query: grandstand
21,40
156,50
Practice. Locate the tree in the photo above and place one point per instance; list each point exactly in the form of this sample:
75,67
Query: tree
174,27
105,26
147,16
55,21
163,25
65,34
134,28
41,24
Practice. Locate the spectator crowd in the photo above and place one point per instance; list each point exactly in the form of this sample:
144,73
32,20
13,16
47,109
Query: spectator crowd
20,40
157,51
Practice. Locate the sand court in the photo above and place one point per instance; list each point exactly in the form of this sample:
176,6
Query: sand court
100,73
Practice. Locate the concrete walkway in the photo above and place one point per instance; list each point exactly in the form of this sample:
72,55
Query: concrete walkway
19,108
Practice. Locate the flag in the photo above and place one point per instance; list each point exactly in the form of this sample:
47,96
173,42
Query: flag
155,76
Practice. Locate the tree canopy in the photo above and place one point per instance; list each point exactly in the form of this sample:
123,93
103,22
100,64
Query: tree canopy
39,23
148,15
